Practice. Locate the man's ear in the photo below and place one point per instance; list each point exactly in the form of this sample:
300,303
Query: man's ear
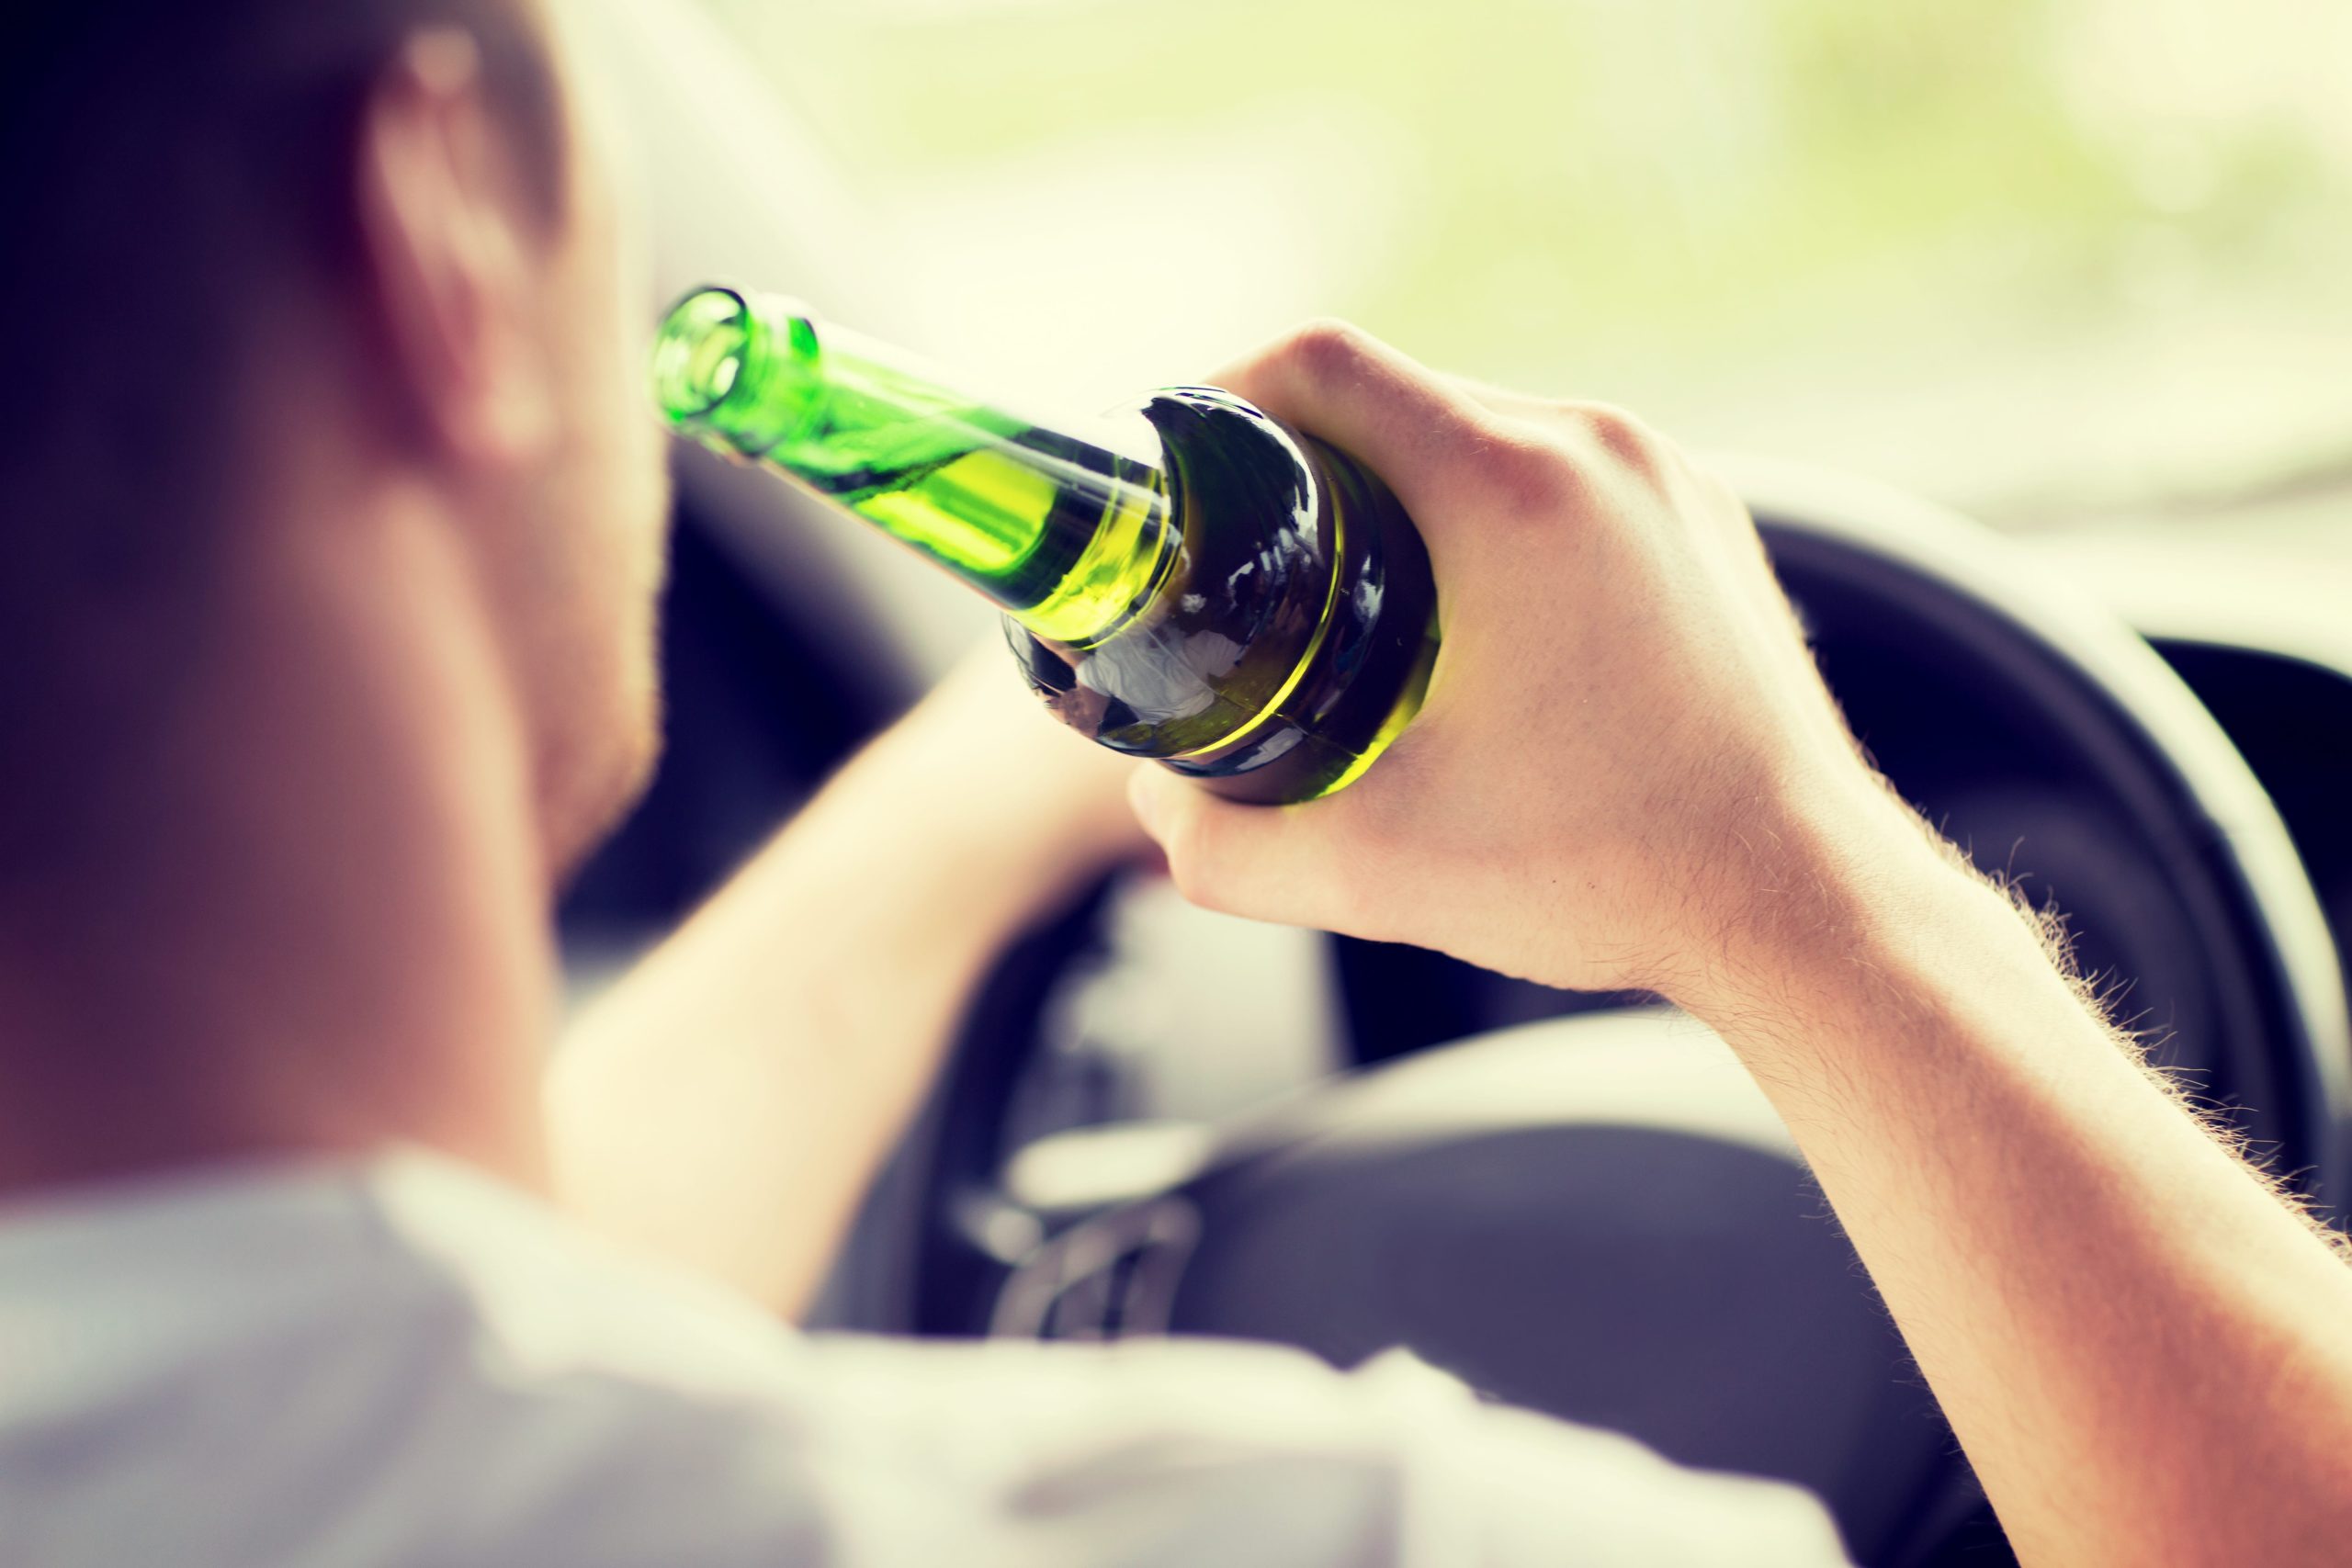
445,230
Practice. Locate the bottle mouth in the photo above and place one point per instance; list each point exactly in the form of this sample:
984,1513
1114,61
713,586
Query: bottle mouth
700,354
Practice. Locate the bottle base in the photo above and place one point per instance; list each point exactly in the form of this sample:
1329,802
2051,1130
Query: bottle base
1293,637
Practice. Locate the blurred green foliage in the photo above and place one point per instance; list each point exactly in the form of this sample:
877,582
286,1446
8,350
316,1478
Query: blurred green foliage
1706,182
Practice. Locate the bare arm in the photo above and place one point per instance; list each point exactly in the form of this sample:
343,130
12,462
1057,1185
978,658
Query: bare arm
2146,1353
1628,773
728,1101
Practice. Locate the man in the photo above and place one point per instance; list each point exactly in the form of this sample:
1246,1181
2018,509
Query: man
333,529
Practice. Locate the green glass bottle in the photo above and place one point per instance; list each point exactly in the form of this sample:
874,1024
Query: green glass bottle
1188,579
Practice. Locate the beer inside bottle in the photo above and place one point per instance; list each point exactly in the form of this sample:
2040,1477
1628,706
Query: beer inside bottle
1187,580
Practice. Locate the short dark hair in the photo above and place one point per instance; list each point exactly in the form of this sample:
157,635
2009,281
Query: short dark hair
165,168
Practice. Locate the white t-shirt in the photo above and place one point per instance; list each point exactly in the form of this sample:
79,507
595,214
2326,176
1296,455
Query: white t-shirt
406,1362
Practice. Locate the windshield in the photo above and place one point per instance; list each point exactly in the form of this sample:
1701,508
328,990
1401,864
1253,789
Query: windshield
2036,257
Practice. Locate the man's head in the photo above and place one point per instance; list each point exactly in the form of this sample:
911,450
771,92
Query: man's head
276,270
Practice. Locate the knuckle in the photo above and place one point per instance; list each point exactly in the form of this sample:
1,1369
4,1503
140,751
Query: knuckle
1622,437
1531,476
1729,504
1325,348
1718,489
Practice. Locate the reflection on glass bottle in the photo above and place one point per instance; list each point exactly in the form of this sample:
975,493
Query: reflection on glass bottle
1188,581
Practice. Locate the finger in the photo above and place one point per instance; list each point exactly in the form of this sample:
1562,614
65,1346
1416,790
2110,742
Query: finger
1604,426
1267,862
1428,438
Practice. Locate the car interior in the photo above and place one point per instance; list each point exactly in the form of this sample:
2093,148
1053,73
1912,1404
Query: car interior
1576,1202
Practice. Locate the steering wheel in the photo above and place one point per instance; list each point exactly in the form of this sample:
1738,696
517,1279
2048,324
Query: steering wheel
1592,1211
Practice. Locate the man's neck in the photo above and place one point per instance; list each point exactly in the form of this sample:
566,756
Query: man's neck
318,922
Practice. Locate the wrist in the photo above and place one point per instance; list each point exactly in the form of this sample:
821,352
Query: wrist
1823,892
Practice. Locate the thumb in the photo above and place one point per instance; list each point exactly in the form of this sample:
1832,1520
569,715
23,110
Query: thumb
1267,862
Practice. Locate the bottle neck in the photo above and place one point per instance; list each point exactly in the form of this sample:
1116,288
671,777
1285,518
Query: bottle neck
1066,528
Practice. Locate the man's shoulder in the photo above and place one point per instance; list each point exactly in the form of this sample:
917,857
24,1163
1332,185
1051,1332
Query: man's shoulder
403,1355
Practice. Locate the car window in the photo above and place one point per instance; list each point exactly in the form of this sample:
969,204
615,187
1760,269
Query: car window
2038,258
